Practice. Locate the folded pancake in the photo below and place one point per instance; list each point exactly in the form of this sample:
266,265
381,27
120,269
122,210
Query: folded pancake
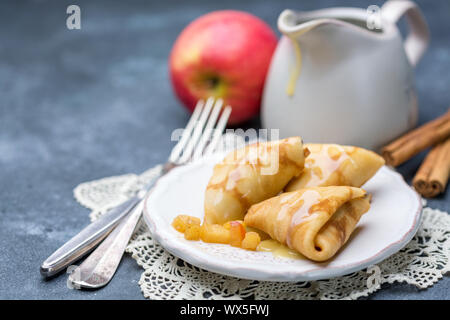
316,221
336,165
249,175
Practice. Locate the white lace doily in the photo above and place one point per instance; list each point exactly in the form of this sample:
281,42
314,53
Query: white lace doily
421,263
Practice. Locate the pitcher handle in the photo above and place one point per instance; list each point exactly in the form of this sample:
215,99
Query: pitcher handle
417,40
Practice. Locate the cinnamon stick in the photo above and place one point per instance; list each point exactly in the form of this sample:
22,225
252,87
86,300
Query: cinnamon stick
417,140
432,176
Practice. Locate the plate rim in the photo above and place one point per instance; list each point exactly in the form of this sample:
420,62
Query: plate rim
200,259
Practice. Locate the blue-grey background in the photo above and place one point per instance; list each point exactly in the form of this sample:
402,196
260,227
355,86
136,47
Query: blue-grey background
79,105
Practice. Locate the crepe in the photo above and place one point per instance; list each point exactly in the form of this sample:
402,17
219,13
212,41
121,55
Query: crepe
336,165
316,221
249,175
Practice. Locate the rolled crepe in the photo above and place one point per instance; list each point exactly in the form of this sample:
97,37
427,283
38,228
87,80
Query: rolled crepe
316,222
336,165
249,175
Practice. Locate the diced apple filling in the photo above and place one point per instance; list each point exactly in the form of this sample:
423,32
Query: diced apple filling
183,222
227,225
232,232
214,233
193,232
237,233
251,241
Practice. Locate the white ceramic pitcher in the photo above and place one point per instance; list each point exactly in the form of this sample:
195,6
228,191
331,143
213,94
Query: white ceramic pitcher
335,79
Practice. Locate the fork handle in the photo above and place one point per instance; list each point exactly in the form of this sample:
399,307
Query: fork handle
100,266
86,239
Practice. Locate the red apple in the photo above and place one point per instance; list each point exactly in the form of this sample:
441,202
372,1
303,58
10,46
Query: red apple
224,54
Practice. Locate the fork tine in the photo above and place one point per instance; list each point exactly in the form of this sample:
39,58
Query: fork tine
208,129
176,151
187,151
218,130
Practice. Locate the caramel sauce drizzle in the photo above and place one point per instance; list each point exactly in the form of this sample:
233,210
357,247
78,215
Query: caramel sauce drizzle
324,163
252,156
295,73
307,200
278,250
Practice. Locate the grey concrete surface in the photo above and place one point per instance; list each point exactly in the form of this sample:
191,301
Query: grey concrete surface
84,104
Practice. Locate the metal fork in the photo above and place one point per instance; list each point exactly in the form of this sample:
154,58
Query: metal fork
93,234
99,268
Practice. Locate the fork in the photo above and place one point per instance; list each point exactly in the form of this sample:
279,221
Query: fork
99,268
94,233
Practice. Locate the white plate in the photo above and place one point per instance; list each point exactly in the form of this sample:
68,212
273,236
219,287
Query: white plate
389,225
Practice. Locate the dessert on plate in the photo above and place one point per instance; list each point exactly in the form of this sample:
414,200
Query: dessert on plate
304,197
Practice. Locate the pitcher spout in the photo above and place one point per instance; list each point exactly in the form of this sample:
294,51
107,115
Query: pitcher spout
289,24
293,24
